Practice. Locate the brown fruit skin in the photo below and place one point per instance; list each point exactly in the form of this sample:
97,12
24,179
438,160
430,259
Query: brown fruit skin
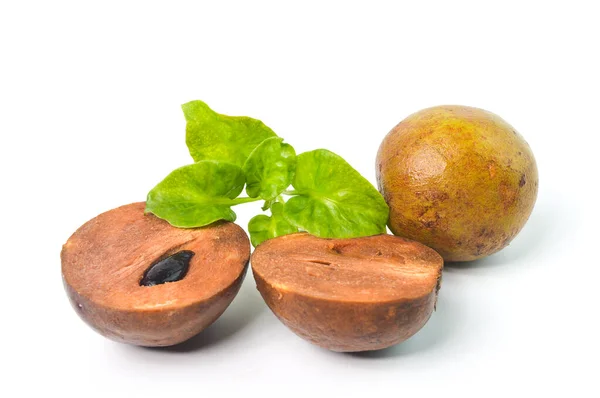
459,179
156,328
103,262
348,325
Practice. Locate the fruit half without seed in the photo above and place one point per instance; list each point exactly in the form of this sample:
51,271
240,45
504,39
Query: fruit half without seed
136,279
355,294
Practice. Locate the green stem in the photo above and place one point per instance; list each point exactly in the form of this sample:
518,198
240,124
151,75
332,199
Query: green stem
291,192
267,205
239,201
280,199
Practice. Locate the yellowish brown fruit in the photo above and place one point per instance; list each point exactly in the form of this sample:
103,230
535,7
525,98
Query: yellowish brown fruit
459,179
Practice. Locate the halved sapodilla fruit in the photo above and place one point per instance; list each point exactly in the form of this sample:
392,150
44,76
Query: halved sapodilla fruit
136,279
355,294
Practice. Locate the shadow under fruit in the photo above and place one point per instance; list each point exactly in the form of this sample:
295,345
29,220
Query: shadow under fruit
459,179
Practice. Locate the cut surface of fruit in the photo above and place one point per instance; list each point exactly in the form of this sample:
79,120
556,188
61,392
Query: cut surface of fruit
349,294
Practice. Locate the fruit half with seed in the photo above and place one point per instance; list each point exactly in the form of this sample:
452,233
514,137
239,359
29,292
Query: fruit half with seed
356,294
136,279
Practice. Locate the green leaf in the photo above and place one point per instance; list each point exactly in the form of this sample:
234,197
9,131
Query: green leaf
212,136
262,227
270,168
334,200
198,194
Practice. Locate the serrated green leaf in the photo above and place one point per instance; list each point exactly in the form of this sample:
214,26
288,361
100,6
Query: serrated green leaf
197,194
333,200
213,136
263,227
270,168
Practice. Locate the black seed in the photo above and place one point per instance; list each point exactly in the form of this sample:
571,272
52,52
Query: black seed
169,269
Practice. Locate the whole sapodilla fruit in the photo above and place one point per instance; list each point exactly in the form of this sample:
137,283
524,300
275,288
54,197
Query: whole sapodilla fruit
458,179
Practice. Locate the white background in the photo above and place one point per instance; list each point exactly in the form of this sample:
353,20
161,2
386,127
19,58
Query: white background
90,119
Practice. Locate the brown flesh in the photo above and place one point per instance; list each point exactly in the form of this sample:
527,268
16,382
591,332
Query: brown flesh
106,258
371,269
